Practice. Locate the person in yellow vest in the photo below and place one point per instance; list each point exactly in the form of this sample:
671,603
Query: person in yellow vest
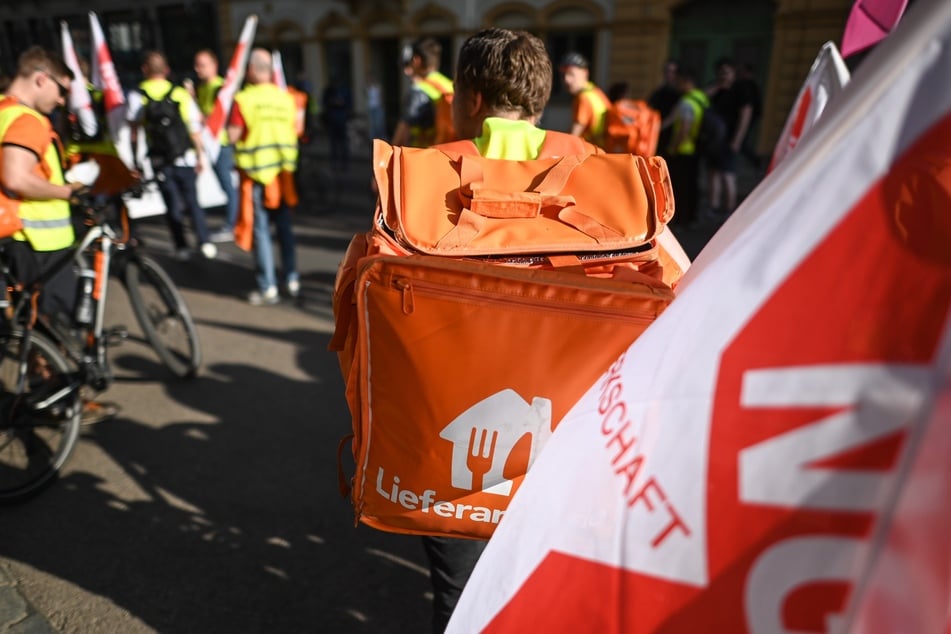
206,92
177,175
420,121
31,175
262,128
590,105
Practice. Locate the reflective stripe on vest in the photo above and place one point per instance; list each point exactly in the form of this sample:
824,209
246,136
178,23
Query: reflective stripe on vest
270,142
46,223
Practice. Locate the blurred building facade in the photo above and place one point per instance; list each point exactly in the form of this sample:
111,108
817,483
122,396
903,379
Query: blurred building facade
351,41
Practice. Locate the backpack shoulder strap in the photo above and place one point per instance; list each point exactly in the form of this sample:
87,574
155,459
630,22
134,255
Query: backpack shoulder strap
464,146
563,144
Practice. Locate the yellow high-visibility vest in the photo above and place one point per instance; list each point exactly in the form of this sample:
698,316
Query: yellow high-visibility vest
270,142
46,223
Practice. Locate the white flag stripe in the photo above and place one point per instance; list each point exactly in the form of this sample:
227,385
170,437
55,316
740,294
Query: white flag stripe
80,103
670,373
833,385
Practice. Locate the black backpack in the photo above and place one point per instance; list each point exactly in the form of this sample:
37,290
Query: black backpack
711,139
167,135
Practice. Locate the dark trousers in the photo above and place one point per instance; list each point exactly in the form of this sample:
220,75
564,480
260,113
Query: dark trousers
685,181
178,186
451,562
58,296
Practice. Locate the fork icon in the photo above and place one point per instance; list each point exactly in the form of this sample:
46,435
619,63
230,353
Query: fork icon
479,458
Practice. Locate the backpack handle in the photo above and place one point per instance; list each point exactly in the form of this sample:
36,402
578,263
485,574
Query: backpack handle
481,202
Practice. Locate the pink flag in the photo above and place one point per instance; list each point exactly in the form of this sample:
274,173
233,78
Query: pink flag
869,22
772,454
215,122
827,77
105,78
278,67
80,103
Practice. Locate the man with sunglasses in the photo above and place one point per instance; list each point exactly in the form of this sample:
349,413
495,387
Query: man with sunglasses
31,174
33,186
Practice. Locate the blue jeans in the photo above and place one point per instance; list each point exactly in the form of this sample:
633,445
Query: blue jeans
223,168
178,187
263,252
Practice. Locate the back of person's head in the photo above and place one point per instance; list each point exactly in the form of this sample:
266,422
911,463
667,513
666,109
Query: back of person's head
429,50
618,90
37,58
510,69
154,64
259,66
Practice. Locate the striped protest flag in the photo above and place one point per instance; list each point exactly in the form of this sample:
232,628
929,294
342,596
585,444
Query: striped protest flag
79,102
216,121
278,68
827,77
771,455
105,78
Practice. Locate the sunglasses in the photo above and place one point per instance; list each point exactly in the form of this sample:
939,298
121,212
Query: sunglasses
63,90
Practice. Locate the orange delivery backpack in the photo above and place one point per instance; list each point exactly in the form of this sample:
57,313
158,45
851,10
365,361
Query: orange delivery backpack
486,299
631,125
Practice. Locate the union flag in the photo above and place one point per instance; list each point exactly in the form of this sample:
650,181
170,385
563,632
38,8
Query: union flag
771,455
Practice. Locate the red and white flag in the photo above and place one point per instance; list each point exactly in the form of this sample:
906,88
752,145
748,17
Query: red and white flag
278,67
80,102
827,77
772,454
215,122
105,78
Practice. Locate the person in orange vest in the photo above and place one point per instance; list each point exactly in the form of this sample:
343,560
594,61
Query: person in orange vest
590,105
266,151
427,110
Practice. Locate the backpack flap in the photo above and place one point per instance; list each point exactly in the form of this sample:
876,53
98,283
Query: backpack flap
456,205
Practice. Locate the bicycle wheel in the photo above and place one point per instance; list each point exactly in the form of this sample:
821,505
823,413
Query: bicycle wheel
163,315
38,427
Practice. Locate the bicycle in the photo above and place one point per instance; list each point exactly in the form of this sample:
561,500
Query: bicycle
45,365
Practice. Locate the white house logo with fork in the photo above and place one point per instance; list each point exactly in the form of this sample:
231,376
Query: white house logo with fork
483,436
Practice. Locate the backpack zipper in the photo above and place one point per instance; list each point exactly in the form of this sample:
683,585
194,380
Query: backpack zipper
408,288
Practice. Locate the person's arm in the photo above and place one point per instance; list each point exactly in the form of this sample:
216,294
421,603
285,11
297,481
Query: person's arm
685,114
194,123
400,134
19,176
746,116
236,125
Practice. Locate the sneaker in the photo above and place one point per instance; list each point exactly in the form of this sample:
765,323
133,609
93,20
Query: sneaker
268,297
225,234
97,411
209,250
293,288
182,254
